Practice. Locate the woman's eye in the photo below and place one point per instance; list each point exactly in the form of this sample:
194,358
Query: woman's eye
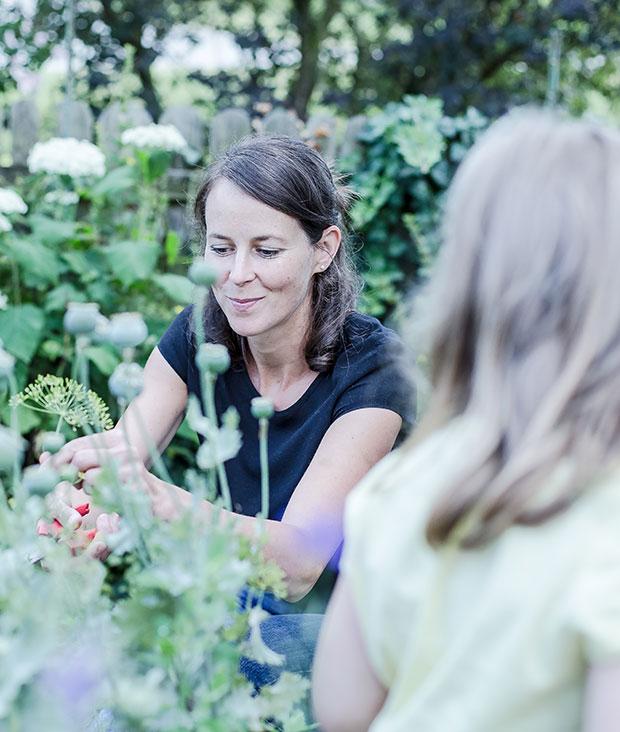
219,249
267,253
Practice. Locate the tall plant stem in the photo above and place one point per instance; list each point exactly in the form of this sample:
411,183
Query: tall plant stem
263,426
209,387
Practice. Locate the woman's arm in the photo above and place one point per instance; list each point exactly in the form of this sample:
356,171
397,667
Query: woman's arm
311,528
602,699
346,693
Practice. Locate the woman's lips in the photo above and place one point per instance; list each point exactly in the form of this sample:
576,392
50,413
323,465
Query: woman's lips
244,304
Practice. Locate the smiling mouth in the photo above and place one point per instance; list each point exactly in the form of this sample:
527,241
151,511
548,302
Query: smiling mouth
243,304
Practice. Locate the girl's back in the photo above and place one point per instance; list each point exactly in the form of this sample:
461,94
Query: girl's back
495,638
482,561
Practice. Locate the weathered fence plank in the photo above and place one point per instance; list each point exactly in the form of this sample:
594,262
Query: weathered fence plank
227,127
24,123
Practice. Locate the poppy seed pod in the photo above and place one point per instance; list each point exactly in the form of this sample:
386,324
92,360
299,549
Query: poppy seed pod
127,381
81,318
12,447
201,273
7,363
52,441
126,330
39,480
261,408
212,358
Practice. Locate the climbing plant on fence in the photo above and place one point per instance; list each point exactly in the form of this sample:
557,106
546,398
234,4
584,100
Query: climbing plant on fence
405,161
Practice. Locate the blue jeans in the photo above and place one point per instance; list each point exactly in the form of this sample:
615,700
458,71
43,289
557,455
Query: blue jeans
290,633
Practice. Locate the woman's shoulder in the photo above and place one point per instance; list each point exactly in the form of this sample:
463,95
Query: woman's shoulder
366,340
358,328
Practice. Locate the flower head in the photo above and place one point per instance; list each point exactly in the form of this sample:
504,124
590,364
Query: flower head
11,202
156,137
61,198
67,156
67,399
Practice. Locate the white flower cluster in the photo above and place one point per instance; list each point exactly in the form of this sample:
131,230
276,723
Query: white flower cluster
61,198
67,156
5,224
158,137
11,202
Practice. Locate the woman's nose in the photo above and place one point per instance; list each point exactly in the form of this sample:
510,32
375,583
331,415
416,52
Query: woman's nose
241,270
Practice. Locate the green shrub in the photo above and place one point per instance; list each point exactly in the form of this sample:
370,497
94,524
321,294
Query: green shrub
406,160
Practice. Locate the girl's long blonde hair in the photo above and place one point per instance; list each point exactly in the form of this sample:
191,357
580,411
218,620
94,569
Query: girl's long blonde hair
525,331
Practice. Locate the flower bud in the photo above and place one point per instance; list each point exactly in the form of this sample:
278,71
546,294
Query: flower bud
12,447
212,357
261,408
69,473
81,318
201,273
127,381
52,441
7,363
127,330
39,480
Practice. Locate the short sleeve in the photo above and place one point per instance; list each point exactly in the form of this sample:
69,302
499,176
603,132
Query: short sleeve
176,343
373,371
595,600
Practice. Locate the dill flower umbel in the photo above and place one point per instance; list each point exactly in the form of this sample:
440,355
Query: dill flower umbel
67,399
11,202
67,156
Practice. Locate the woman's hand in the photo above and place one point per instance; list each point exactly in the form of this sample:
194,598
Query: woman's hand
82,525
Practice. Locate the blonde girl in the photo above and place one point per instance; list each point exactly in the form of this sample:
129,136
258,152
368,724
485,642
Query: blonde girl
480,586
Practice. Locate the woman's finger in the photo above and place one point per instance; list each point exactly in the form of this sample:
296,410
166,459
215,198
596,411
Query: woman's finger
59,505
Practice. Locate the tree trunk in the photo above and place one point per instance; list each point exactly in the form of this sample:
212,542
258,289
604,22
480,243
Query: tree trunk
142,66
312,30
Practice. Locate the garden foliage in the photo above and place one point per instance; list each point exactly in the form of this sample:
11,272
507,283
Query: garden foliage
90,278
406,160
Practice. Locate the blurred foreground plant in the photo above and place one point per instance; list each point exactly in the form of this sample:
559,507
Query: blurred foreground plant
160,650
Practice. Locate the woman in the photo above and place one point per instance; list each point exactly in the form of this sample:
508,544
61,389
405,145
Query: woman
480,584
284,305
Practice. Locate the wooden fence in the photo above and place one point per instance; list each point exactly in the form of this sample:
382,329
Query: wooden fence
208,138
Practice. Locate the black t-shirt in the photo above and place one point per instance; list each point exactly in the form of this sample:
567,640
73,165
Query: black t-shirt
365,374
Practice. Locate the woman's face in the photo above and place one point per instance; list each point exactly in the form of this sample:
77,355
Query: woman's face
265,264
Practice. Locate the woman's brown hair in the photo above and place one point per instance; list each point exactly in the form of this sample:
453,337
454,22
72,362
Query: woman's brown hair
290,177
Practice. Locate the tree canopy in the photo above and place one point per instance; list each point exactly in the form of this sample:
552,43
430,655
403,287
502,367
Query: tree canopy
349,53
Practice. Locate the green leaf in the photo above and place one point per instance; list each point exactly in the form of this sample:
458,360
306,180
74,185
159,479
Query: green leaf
36,261
27,419
116,181
21,328
58,298
158,163
51,231
85,264
421,145
178,287
131,261
103,358
172,245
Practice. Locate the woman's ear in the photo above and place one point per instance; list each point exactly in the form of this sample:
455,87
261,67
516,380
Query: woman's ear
326,248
